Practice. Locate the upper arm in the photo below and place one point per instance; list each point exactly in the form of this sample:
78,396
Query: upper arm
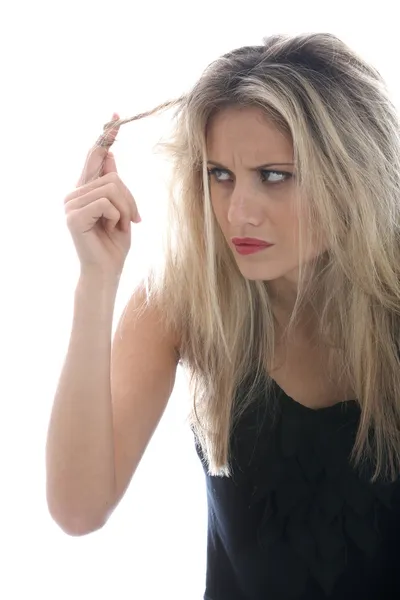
143,369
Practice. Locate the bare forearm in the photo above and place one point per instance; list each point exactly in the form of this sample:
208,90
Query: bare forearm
80,444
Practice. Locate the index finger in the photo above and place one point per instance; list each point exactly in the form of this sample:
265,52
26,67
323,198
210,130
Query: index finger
97,155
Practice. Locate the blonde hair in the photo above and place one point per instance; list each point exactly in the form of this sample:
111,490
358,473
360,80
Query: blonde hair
345,134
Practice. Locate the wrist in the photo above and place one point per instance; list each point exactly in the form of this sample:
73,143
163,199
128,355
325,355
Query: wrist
98,277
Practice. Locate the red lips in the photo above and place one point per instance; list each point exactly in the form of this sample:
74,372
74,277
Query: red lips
250,242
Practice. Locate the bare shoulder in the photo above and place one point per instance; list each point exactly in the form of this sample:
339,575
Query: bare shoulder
143,317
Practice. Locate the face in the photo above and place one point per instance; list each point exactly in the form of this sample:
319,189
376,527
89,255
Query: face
253,193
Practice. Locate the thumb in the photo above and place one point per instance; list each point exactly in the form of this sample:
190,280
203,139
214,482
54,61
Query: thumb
109,165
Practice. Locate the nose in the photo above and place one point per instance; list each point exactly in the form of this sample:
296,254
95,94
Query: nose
243,208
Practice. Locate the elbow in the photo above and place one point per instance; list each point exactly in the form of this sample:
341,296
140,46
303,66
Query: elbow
77,527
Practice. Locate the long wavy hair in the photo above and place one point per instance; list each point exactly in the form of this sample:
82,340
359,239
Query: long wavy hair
346,140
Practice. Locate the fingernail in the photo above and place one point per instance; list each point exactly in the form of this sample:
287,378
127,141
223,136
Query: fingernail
114,117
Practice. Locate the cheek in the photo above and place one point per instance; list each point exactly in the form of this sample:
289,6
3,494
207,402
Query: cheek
220,214
312,244
284,223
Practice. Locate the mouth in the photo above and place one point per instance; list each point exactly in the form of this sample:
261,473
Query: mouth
251,248
250,241
250,245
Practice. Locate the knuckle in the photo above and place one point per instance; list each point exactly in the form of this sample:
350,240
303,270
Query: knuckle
70,205
113,177
70,218
113,187
68,198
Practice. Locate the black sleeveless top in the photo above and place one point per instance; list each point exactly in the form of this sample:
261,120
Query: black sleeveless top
295,521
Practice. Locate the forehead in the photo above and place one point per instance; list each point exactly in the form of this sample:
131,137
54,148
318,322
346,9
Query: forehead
246,130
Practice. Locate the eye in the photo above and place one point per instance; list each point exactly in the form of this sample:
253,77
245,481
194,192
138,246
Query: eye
219,174
266,176
275,176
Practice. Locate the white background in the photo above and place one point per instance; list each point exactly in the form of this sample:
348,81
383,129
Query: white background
65,67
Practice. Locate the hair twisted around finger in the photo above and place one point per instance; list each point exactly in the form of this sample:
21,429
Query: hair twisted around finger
164,106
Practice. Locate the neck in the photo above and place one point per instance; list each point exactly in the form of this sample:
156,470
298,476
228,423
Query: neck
305,330
307,325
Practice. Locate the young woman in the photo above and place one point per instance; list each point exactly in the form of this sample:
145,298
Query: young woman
280,295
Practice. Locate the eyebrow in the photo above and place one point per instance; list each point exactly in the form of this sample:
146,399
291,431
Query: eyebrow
216,164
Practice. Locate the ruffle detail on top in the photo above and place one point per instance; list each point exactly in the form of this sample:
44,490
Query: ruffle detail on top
314,508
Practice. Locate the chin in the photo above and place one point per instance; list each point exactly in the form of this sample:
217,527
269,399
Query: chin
259,273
